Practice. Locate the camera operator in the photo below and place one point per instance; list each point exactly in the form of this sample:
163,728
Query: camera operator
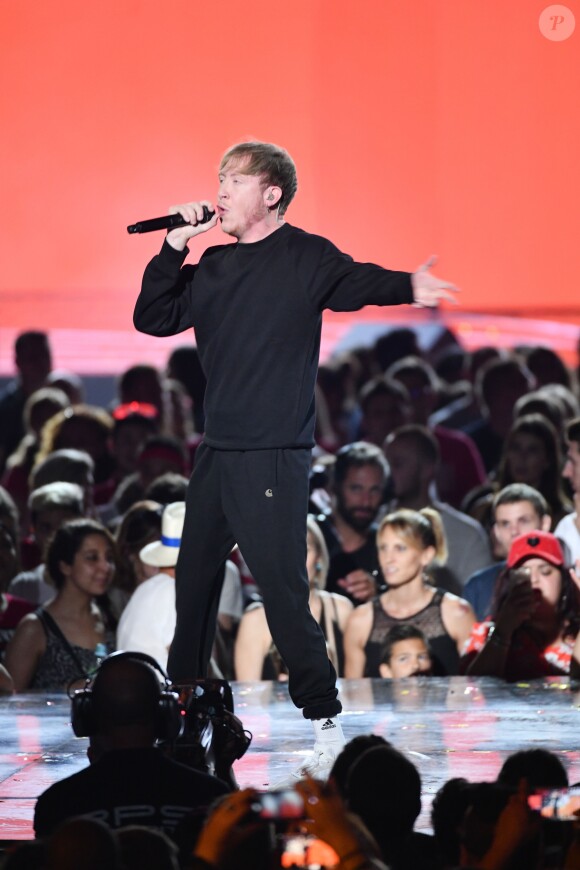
213,737
131,781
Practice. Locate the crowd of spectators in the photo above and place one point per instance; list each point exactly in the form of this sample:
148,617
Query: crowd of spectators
443,536
137,806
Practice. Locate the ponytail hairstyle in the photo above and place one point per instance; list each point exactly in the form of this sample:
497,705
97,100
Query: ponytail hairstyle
421,529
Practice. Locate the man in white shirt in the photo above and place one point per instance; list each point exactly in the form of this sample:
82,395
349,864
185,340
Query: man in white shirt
568,529
147,623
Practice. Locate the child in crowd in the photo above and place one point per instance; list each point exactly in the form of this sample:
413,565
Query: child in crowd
405,653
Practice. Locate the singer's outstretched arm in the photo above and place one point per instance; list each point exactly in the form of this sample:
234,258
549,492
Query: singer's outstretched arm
428,290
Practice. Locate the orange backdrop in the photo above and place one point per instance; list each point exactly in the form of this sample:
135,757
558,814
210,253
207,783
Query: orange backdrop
447,126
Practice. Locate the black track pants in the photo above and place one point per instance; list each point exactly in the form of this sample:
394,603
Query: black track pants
257,499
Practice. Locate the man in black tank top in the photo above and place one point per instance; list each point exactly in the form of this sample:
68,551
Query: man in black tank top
359,481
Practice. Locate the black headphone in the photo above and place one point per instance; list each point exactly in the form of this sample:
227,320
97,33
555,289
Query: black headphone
170,712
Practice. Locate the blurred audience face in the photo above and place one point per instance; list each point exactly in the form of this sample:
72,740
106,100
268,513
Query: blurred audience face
143,571
408,470
527,459
127,443
47,522
92,568
145,386
60,465
33,361
423,396
360,495
83,434
151,466
382,415
45,408
69,382
510,383
409,658
516,519
546,581
141,525
572,466
546,578
400,561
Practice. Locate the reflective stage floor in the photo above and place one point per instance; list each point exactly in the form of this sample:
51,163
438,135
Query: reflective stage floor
447,727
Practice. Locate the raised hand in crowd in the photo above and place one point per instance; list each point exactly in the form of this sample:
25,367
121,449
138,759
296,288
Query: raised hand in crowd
228,826
518,829
359,585
329,819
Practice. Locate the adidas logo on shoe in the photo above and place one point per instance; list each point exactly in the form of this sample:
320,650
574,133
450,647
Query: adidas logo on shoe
328,725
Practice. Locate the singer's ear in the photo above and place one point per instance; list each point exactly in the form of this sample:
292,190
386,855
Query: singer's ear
272,196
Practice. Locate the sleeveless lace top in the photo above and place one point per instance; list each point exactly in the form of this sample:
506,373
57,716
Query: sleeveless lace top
429,620
62,662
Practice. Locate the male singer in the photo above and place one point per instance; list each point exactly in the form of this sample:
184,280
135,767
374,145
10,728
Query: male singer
256,307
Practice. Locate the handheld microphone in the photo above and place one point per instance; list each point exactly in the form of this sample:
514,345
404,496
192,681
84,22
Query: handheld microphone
167,222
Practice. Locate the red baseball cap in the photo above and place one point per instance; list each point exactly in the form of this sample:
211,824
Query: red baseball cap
535,545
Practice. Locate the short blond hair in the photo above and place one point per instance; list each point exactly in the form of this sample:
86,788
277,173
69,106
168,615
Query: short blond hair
271,162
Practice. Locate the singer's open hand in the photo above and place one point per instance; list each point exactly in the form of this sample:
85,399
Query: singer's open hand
192,212
428,291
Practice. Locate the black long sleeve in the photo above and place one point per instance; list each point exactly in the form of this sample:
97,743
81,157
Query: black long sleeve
257,313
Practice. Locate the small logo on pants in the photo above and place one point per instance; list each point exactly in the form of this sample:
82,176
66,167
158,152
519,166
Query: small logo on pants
269,493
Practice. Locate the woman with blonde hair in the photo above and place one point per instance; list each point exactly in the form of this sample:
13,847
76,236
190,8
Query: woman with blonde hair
408,542
82,427
256,657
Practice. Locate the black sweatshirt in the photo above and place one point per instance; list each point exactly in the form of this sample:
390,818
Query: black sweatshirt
257,313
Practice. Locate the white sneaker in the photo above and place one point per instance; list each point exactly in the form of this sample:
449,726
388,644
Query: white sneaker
320,763
329,742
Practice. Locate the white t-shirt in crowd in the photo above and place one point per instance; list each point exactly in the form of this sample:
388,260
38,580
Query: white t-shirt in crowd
147,623
568,532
